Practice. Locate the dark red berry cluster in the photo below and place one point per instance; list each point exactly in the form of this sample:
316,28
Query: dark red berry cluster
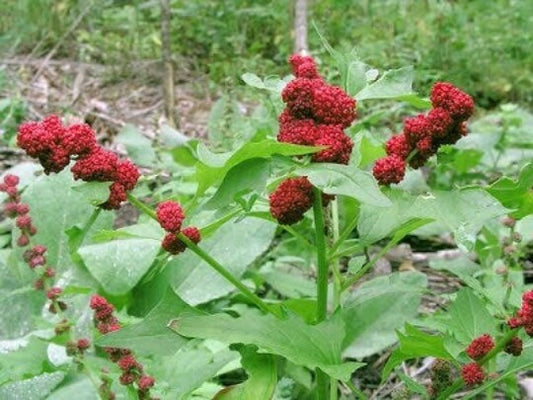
13,208
170,216
132,370
55,145
424,134
35,256
316,113
292,198
524,316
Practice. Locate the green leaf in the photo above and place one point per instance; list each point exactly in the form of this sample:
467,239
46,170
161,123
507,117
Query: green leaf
516,195
469,318
25,362
188,369
345,180
94,192
118,265
79,390
236,245
377,308
253,80
152,336
392,84
461,212
249,176
138,146
36,388
207,175
413,344
52,217
313,346
171,137
262,377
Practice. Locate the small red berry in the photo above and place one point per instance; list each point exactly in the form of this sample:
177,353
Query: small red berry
170,215
472,374
480,346
145,382
514,346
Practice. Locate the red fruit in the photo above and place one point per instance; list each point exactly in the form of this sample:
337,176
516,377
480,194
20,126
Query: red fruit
117,195
127,174
297,131
439,122
11,209
83,344
53,293
472,374
145,382
303,66
397,145
98,165
78,139
23,222
339,145
127,363
22,208
170,215
331,105
292,198
127,379
480,346
459,104
23,240
174,245
390,169
298,95
415,129
98,302
11,180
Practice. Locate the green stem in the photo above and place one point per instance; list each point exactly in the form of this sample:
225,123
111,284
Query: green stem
297,235
322,382
322,379
355,390
225,273
88,225
322,278
141,206
333,389
335,266
343,236
207,258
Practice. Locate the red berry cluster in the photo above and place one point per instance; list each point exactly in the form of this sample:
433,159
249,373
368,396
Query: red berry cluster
36,259
524,316
424,134
132,370
480,346
54,145
13,208
170,216
316,113
292,198
473,374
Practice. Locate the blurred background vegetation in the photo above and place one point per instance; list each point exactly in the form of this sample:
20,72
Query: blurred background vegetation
482,46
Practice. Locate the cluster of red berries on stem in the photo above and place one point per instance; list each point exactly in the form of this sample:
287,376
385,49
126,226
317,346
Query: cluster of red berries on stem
473,373
170,216
55,145
35,257
132,370
424,134
316,115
